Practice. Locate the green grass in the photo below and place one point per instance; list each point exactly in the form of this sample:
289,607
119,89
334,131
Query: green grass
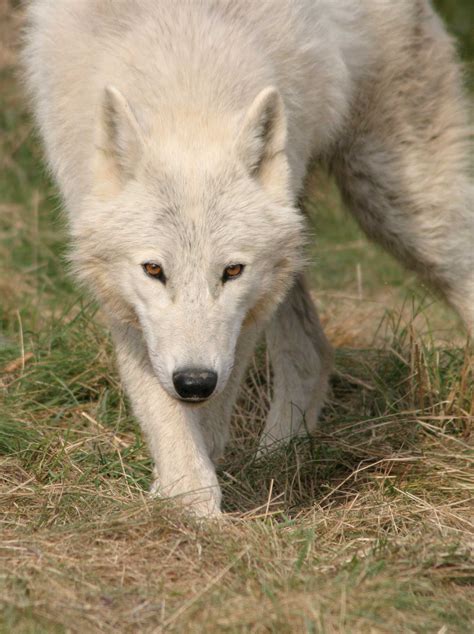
367,527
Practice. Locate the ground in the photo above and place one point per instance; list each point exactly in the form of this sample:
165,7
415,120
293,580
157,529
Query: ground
368,527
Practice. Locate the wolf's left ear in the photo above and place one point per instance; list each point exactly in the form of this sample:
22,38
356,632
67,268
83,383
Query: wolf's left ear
120,142
261,142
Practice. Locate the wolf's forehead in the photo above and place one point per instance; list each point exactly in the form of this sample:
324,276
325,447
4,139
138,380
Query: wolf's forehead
199,198
186,185
202,231
197,206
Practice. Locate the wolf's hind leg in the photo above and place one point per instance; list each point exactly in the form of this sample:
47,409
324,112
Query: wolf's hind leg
301,359
404,166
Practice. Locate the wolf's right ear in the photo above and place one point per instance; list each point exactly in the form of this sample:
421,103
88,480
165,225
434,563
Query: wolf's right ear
120,142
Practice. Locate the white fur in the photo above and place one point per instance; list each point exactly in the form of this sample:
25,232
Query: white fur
181,133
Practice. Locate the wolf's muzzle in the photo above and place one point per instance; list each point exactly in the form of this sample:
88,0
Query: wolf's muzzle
194,384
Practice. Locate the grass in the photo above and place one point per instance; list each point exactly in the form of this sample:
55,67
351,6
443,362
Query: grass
368,527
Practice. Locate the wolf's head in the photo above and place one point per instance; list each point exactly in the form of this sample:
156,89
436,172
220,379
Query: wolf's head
190,232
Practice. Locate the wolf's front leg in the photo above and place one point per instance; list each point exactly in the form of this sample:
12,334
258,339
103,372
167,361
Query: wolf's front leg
301,358
183,468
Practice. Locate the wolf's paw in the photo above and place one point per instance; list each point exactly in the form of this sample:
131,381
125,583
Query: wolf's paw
155,488
201,502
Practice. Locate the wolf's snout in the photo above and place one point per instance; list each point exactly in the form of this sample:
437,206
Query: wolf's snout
194,384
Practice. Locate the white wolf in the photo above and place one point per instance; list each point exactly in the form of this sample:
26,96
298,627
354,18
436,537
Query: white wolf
180,134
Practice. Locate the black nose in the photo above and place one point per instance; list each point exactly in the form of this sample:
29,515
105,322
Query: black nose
194,384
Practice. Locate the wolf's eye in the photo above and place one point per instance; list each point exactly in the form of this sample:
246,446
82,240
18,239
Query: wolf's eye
232,271
154,270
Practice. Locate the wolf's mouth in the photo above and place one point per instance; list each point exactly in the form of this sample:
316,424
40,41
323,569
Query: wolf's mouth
193,400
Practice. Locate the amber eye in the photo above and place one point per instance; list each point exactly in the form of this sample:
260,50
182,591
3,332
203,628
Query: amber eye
232,271
154,270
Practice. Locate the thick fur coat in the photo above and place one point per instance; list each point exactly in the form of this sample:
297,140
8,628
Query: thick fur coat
180,135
